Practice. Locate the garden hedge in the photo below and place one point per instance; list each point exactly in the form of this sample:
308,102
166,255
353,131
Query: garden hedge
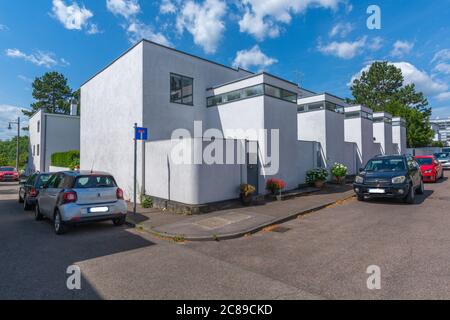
66,159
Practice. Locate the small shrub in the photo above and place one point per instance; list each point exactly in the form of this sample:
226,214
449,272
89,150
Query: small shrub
275,185
317,174
146,202
339,170
247,189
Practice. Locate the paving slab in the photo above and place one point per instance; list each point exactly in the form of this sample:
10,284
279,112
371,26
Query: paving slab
236,222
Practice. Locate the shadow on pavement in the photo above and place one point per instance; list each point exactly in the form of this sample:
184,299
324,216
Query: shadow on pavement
34,260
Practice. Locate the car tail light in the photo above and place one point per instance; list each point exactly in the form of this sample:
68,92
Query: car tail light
69,197
33,193
119,194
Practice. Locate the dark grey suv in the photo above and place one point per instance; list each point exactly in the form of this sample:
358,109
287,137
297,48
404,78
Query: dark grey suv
390,177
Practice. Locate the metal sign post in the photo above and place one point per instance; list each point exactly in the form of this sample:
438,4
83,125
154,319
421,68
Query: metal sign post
140,134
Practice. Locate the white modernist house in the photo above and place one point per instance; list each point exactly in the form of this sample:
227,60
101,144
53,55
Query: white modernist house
382,132
399,135
321,118
359,129
51,133
175,94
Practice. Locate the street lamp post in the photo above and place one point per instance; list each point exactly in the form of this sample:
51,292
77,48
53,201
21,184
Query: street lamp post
18,138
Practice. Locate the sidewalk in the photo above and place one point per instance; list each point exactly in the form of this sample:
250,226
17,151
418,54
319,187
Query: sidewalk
236,222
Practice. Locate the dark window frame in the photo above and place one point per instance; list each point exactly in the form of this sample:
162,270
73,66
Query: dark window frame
182,77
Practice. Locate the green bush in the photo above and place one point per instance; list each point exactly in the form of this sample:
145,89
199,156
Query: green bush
318,174
69,159
146,202
339,170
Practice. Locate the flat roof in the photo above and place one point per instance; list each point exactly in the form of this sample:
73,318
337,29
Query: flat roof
165,47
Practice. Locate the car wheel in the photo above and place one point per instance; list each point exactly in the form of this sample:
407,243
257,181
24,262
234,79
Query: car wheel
58,224
37,213
26,205
20,198
421,188
411,197
119,221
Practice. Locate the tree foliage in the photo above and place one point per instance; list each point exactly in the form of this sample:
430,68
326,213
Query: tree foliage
382,88
8,152
52,93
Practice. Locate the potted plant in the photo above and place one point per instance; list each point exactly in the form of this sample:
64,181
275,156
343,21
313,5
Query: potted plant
317,177
275,186
247,191
339,172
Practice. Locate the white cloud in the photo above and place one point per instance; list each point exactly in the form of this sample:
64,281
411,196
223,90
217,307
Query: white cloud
341,29
93,29
262,18
423,81
73,17
247,59
443,68
204,21
25,78
124,8
444,96
401,48
375,43
11,113
39,58
345,50
138,31
167,6
3,27
442,55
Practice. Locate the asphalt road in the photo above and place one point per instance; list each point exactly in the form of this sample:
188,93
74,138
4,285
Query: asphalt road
323,255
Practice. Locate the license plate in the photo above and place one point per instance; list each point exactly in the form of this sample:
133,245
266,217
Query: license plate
378,191
98,210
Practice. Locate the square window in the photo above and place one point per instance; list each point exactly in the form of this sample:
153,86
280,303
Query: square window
181,89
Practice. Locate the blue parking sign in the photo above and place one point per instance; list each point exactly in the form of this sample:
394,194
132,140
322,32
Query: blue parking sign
141,133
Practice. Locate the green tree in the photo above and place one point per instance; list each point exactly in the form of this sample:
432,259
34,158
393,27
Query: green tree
8,152
382,88
51,92
77,96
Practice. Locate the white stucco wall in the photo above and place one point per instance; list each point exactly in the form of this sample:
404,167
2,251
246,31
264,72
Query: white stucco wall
111,103
62,133
399,136
34,161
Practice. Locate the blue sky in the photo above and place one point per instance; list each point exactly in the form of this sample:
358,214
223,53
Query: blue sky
320,43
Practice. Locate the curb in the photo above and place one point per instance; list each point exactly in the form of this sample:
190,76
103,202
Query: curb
240,234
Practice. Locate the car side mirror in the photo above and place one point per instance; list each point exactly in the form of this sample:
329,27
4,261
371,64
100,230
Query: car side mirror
361,170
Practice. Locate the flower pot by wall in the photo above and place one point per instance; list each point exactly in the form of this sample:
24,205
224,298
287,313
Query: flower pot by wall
319,184
247,200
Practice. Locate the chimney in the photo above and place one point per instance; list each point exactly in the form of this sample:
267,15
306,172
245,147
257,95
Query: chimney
73,107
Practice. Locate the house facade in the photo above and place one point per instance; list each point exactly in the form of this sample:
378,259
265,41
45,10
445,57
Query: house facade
50,133
211,127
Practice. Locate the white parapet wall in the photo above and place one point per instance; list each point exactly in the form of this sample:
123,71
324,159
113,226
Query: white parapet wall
382,132
53,169
399,135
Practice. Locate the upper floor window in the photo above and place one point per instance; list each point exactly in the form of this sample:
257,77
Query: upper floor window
38,126
181,89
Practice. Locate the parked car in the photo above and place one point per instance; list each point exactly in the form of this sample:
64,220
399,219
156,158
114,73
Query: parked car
444,159
390,177
76,197
431,168
9,174
29,189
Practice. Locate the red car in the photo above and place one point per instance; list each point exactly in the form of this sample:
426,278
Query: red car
431,168
8,174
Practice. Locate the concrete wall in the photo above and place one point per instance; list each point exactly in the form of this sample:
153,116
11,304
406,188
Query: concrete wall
111,103
62,133
351,158
399,138
34,160
382,133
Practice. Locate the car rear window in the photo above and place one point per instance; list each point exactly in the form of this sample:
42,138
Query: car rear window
86,182
7,169
388,165
424,161
42,180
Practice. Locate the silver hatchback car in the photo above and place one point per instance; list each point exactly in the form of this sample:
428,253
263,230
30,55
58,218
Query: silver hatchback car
76,197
